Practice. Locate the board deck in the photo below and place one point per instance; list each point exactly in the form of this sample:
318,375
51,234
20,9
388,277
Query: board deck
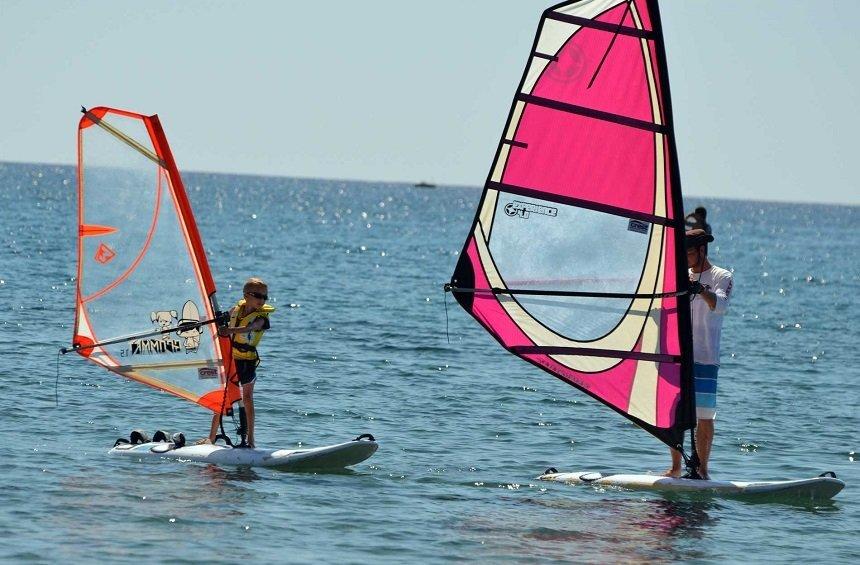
329,457
816,488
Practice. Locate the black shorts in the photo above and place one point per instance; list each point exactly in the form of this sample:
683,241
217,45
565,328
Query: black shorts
247,370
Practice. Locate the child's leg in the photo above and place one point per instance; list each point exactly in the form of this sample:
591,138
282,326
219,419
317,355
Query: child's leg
248,400
213,431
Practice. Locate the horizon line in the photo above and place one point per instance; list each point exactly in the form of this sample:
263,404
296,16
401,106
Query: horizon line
442,184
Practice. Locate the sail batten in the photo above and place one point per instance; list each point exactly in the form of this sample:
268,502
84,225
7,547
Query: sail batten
575,261
595,24
582,203
592,113
128,140
591,352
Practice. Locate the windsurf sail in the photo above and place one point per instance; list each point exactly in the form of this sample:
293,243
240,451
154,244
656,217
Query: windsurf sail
575,261
145,304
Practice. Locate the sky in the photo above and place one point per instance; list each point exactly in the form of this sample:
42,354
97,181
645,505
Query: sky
765,92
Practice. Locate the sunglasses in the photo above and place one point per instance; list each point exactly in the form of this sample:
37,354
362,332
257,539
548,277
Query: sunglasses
259,295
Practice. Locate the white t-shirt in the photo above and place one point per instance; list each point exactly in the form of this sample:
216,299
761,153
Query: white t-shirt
708,323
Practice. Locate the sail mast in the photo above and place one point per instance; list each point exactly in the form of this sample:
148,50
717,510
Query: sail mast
687,401
197,245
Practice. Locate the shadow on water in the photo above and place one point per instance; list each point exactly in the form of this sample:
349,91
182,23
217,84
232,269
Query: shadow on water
661,516
243,474
327,472
814,506
597,530
220,475
643,528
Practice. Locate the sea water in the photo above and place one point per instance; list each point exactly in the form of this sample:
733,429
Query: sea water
364,341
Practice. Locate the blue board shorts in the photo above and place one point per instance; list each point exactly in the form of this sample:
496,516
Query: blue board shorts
706,390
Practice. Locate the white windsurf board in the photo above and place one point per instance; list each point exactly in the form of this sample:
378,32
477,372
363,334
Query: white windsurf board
329,457
816,488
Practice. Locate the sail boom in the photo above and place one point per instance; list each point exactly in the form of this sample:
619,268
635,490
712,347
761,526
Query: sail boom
122,339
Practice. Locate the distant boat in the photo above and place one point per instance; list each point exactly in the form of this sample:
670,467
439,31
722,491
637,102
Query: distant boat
423,184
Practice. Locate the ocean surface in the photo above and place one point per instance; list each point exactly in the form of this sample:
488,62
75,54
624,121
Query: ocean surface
360,343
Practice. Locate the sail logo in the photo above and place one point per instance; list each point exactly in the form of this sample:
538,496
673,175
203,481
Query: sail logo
104,254
638,226
523,209
168,321
191,336
155,346
568,64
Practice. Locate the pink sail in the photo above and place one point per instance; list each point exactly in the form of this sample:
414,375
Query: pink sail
575,260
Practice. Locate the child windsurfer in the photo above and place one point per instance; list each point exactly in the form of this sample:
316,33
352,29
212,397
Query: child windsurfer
249,318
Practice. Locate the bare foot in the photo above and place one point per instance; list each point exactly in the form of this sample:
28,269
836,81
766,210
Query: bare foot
704,474
673,473
203,441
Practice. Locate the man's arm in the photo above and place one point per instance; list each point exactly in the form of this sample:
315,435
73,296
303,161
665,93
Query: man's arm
710,298
718,297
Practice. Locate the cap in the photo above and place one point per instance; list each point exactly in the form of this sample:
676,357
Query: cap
697,237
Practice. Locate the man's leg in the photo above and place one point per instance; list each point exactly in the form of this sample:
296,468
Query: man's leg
675,471
706,410
704,440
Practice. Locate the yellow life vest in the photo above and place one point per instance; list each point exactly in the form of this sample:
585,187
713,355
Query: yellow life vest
245,343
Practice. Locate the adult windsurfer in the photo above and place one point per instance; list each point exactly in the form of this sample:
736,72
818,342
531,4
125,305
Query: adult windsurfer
711,288
249,318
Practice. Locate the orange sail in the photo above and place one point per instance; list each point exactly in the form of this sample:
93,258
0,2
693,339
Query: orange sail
141,265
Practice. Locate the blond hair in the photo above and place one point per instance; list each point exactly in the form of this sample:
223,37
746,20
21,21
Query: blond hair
254,283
